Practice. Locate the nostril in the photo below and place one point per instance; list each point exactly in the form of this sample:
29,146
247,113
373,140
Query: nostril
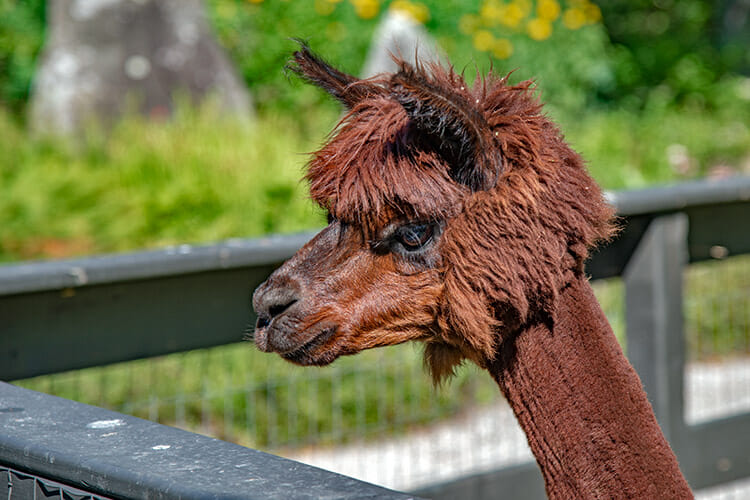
277,309
263,321
272,301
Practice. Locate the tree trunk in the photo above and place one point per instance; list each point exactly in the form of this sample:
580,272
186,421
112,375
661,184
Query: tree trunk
398,35
105,57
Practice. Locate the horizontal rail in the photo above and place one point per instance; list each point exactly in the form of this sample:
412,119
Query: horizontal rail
170,261
515,481
715,452
114,455
677,197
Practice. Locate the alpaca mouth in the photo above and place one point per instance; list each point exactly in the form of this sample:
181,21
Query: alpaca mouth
288,336
305,354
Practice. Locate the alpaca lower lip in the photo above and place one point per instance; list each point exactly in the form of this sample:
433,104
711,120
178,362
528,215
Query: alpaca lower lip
271,334
303,352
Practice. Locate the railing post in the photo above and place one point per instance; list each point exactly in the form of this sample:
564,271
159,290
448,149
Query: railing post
654,318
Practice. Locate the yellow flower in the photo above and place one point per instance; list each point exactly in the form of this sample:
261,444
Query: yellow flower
502,48
417,11
539,29
421,12
468,24
491,13
483,40
592,13
512,15
323,7
523,5
401,5
366,9
548,10
573,18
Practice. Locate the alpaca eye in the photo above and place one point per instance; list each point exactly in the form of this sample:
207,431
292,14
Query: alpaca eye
415,236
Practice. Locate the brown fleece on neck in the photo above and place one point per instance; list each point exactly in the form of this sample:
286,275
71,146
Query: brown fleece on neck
581,404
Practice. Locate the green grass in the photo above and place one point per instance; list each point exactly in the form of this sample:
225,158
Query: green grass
197,178
716,308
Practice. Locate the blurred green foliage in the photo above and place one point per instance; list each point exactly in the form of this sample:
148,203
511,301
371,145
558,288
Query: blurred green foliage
661,142
259,38
680,47
200,178
648,95
195,178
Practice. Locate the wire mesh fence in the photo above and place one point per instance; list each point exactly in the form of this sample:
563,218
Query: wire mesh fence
17,485
717,330
377,417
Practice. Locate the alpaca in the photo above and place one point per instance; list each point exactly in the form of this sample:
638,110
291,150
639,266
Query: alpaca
460,218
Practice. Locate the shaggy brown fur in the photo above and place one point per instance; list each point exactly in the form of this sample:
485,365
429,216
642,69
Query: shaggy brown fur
460,218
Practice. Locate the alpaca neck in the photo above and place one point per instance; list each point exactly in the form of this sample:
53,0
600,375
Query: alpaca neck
583,408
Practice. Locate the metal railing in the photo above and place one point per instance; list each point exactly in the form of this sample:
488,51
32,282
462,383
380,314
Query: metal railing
56,447
87,312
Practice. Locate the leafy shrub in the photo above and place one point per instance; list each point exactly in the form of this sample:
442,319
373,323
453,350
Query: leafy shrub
258,36
21,38
196,178
683,46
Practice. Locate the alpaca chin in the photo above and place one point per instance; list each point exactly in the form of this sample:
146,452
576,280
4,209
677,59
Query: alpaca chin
315,352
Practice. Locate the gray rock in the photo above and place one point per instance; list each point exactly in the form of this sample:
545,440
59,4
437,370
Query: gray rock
105,57
400,35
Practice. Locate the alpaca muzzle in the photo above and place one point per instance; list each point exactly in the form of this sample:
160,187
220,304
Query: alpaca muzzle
272,303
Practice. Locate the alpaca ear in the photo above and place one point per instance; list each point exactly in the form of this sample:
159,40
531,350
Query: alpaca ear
346,88
450,124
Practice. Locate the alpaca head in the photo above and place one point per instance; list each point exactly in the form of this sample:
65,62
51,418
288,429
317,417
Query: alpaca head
456,215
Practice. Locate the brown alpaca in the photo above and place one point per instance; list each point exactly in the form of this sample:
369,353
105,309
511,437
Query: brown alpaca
460,218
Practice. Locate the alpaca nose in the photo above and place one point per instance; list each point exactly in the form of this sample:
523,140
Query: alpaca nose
271,301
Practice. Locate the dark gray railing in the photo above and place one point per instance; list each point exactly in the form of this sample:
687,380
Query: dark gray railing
50,445
57,316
